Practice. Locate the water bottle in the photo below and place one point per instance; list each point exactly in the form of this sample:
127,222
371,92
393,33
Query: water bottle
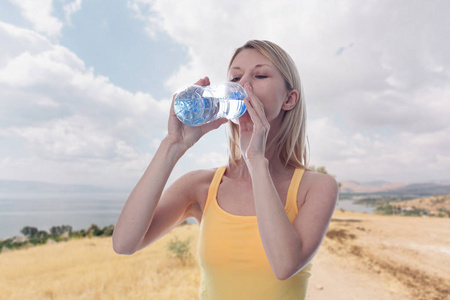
198,105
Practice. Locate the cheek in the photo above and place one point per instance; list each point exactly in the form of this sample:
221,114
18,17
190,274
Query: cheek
272,104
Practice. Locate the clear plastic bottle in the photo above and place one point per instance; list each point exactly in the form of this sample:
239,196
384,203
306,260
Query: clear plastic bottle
199,105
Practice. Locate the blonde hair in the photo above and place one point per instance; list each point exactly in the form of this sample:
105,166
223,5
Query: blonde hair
290,142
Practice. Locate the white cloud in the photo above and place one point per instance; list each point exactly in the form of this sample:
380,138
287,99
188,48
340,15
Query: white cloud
70,9
395,156
375,74
376,77
39,14
205,160
57,110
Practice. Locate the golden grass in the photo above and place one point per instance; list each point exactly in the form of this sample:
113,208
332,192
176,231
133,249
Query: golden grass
89,269
404,256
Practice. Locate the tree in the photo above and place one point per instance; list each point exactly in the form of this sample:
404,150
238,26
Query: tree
320,169
59,230
323,170
29,231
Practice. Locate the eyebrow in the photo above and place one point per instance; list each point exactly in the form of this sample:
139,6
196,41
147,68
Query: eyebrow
257,66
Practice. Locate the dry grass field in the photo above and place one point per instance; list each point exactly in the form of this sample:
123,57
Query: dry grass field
89,269
363,257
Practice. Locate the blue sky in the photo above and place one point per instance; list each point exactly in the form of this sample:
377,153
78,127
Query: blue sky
85,85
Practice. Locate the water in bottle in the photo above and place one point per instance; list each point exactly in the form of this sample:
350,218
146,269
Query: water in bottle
199,105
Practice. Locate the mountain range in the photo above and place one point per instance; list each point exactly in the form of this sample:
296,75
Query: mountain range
395,188
11,188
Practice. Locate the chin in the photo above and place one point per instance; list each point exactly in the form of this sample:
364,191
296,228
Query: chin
244,118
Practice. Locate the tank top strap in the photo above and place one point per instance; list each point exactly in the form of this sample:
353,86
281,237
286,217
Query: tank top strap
293,189
214,186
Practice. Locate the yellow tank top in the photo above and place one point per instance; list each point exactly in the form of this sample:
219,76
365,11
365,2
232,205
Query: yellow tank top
232,258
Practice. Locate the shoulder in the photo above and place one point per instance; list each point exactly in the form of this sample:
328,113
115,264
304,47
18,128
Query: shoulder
194,184
190,191
201,175
320,180
315,184
194,178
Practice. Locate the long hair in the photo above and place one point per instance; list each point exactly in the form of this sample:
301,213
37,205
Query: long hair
290,142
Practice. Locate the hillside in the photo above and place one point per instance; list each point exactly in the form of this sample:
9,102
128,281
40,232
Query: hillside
432,204
363,256
355,187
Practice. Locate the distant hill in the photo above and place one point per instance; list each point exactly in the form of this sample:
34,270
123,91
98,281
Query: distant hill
355,187
393,189
422,189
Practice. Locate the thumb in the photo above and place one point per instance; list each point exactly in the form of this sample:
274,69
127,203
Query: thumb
214,124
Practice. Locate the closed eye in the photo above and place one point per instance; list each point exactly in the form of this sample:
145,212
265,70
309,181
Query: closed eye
261,76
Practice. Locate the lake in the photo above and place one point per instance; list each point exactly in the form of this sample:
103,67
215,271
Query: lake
80,211
350,205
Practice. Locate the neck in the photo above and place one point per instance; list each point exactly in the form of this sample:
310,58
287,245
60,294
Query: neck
276,167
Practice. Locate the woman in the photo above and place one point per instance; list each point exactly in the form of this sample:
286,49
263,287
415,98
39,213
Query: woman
263,216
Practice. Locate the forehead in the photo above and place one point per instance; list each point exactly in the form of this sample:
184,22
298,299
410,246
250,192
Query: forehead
250,58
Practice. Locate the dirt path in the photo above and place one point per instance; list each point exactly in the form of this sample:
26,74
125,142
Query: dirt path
342,279
383,257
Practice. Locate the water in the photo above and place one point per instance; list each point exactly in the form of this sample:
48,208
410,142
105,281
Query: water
198,105
195,112
78,211
350,205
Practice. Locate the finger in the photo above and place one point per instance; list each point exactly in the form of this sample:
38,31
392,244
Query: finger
254,116
172,106
255,106
256,112
203,81
254,100
213,125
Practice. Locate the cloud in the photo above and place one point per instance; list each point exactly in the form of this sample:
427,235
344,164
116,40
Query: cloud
70,9
366,100
392,156
57,110
39,14
376,91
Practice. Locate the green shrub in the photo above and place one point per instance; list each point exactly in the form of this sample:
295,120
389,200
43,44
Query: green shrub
40,237
181,249
108,230
59,230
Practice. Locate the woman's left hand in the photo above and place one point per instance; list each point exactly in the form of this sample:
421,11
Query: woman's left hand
254,128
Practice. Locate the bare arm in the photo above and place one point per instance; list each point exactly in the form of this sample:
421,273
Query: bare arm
147,215
290,247
137,214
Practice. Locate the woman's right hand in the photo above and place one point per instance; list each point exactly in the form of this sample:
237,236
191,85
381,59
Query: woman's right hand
185,135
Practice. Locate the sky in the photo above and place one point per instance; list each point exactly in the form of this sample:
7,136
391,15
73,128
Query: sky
86,85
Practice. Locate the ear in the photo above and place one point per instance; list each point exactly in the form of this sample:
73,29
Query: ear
291,100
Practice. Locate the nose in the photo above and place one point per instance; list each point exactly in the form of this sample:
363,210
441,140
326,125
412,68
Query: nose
244,79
